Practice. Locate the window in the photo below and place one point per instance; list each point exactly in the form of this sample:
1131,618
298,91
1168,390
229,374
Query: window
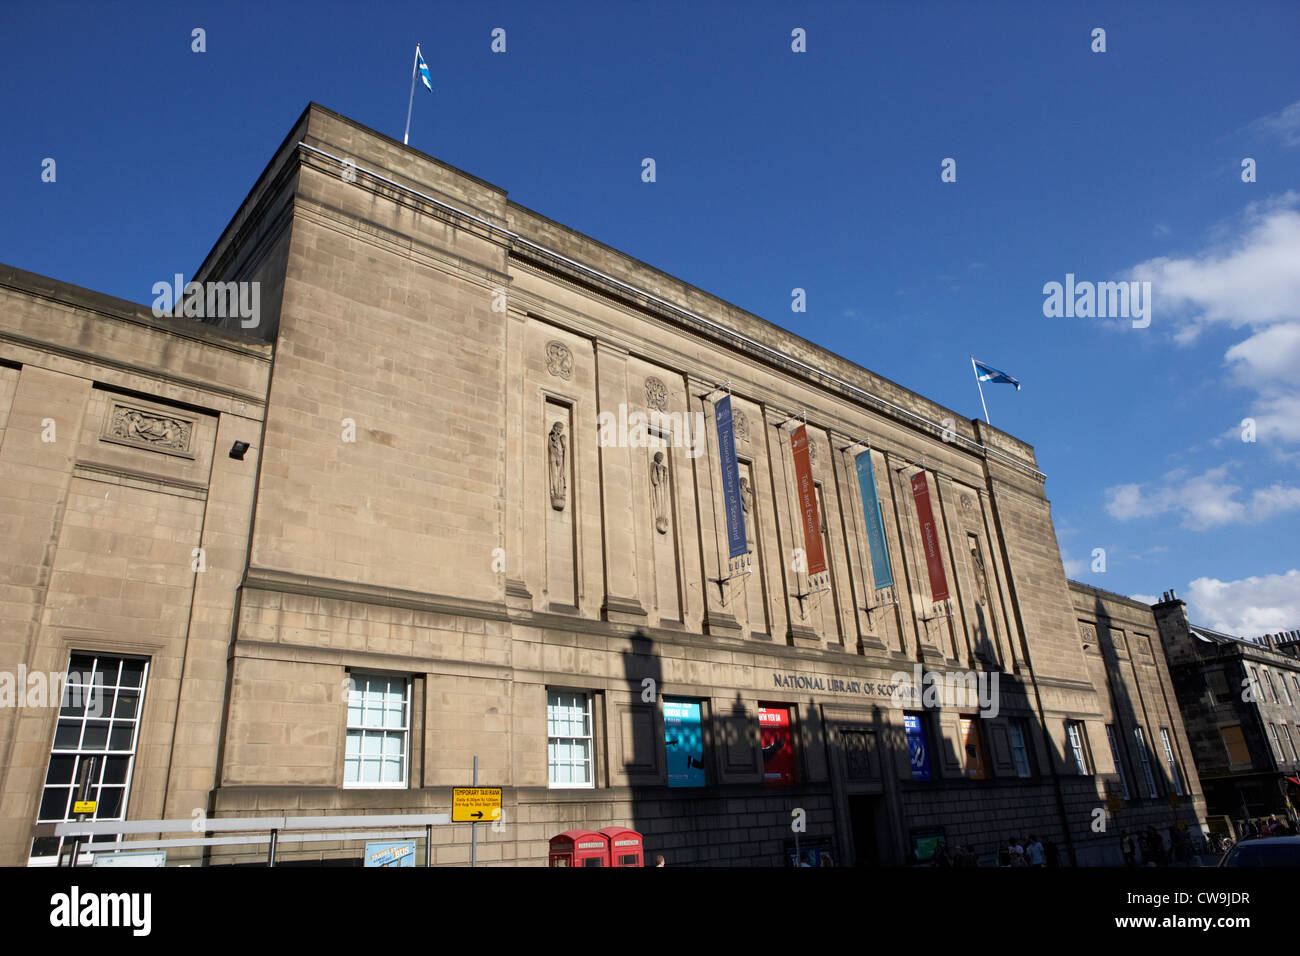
1290,745
1268,682
1119,762
1255,693
1217,682
379,711
96,733
1281,684
1019,748
568,739
776,737
1175,775
1235,743
1295,682
1144,758
1277,744
1078,736
972,747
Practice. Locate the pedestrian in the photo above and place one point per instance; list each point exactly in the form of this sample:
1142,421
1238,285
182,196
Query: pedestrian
659,860
1006,852
1129,850
1035,853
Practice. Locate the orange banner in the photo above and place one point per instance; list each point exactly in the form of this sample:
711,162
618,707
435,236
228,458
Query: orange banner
930,538
812,525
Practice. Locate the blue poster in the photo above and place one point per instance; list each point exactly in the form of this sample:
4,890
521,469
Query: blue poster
917,752
875,523
730,479
684,743
391,854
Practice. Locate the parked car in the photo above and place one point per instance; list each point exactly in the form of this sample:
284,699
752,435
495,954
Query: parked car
1268,851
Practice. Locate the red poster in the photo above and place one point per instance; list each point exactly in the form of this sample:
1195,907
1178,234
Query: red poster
812,525
929,538
777,741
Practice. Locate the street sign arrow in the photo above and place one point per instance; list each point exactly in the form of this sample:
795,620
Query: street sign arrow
478,815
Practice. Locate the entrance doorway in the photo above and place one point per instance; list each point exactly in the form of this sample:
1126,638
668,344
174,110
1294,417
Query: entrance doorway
864,820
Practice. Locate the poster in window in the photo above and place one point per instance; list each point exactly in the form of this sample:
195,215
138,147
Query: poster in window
918,753
970,741
684,743
776,737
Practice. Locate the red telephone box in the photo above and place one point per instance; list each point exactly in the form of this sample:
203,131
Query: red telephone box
579,848
625,847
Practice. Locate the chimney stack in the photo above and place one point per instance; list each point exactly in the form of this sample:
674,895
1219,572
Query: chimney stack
1165,597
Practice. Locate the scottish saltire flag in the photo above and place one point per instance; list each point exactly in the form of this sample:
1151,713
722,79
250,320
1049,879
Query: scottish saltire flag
987,373
424,69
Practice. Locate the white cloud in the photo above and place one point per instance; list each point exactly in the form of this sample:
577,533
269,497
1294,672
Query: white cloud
1247,277
1249,607
1284,124
1202,501
1147,599
1075,568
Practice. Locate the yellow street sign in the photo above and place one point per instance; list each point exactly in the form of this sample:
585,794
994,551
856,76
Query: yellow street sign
84,806
475,804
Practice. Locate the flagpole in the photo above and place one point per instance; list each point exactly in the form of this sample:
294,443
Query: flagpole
981,388
406,135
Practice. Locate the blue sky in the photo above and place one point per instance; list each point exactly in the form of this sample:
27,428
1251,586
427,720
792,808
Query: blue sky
776,170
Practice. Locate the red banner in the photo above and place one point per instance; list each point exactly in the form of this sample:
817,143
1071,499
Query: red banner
812,524
929,538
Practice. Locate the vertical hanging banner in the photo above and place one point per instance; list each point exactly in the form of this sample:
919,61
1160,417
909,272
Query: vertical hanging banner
880,569
812,525
731,487
929,538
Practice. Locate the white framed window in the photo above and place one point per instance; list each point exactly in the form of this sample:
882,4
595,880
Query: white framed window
1290,744
1255,691
1277,744
569,740
1019,749
379,727
1175,775
1286,694
1268,682
1144,758
1078,746
1119,762
96,732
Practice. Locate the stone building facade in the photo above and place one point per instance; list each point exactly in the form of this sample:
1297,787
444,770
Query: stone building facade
1241,702
433,550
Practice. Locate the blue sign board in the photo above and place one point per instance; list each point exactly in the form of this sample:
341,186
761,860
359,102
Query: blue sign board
875,523
730,479
684,743
918,753
391,854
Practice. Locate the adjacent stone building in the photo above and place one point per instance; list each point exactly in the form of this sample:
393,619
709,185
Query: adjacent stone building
479,512
1240,698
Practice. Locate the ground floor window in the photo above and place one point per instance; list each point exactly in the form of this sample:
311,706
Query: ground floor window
379,724
94,741
569,739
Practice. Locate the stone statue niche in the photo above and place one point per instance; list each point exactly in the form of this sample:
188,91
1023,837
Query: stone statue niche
659,491
555,453
747,507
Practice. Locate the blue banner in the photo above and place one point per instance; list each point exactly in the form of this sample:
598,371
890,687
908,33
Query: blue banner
875,523
730,479
917,752
684,743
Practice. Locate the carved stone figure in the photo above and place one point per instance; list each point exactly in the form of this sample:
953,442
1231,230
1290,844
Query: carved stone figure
559,360
747,506
555,458
981,581
158,430
741,422
656,393
659,491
